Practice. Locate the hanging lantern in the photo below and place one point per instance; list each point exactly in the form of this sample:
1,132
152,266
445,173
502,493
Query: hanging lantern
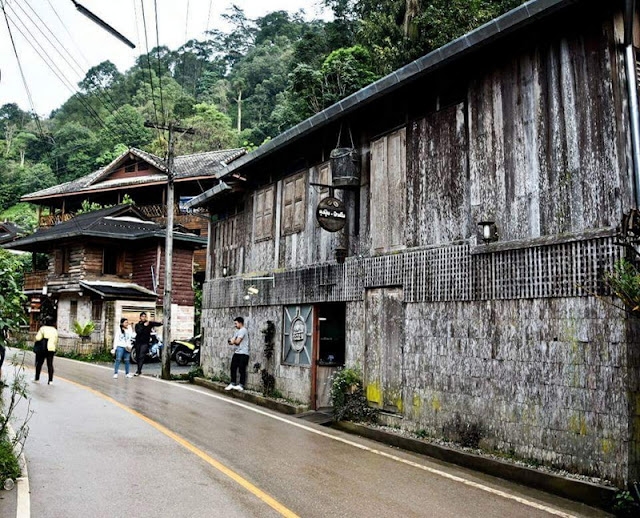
345,164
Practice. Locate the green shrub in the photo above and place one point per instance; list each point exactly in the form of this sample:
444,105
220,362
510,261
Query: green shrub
9,467
347,396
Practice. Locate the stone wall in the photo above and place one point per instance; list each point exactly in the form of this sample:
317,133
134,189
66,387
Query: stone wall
551,380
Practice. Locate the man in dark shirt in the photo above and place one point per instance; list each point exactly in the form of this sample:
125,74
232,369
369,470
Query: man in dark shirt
143,338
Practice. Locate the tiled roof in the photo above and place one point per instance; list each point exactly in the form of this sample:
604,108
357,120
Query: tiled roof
185,166
122,222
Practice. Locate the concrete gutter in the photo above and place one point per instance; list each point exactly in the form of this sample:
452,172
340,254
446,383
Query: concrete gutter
278,406
23,507
591,494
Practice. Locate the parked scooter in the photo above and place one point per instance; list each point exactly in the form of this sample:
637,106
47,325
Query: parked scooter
154,353
186,351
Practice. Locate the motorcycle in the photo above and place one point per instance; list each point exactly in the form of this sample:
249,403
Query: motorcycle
184,352
154,353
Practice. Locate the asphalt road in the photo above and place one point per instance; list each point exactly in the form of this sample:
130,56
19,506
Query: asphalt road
142,447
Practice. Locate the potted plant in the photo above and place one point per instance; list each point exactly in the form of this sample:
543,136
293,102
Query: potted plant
84,331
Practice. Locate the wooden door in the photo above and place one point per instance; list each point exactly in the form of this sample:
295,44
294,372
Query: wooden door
384,347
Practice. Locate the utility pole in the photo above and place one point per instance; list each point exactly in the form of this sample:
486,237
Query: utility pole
168,251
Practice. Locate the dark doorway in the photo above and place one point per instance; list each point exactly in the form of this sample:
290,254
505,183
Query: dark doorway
330,349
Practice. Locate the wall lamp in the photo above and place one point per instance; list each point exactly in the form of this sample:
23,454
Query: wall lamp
489,231
225,271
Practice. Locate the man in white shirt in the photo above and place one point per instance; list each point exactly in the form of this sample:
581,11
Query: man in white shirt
240,358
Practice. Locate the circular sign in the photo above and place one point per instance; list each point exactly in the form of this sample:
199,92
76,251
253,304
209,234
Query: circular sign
331,214
298,333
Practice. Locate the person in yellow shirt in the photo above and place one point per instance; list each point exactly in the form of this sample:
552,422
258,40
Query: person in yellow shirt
49,333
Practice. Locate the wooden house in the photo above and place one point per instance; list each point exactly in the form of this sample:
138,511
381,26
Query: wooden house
105,265
9,231
142,177
480,210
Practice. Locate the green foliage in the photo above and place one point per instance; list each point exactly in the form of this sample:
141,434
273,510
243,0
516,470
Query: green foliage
347,396
22,214
627,503
84,330
9,466
12,299
624,282
102,356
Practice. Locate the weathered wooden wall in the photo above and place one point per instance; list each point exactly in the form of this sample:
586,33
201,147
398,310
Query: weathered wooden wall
182,286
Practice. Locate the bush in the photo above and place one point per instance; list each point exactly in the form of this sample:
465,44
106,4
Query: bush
9,466
85,330
347,396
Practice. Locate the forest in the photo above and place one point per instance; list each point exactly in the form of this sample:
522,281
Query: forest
236,88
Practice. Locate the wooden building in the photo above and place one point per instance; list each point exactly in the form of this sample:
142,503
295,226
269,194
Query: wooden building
527,125
105,265
142,177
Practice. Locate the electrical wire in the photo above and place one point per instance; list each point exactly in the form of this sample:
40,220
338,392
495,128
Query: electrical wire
56,71
24,79
78,68
153,95
155,8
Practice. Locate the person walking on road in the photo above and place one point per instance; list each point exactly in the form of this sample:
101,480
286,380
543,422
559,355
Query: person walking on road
122,344
45,348
143,337
240,358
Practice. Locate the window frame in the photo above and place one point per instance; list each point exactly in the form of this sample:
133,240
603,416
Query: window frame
294,226
259,232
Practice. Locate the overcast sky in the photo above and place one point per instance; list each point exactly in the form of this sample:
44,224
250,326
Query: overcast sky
91,45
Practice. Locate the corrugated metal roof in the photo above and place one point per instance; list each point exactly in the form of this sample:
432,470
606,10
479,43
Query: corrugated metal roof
490,32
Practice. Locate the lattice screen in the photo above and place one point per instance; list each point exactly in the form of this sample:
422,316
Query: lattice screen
450,273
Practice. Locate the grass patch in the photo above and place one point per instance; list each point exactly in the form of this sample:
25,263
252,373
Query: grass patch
100,356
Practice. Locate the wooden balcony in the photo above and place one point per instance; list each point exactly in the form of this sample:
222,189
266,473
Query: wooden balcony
50,220
35,281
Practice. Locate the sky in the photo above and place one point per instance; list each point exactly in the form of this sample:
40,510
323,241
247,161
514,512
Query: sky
90,45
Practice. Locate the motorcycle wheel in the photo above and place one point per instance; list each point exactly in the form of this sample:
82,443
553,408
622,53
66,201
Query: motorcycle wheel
182,357
134,356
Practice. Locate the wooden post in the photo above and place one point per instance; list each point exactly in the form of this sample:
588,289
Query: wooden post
168,268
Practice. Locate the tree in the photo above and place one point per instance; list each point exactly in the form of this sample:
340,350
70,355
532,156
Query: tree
100,78
213,131
35,177
12,299
125,126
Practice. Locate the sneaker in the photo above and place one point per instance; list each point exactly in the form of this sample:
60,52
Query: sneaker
115,376
230,386
129,376
33,380
137,374
239,388
50,383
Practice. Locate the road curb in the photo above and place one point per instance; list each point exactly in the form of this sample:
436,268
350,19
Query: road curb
278,406
586,492
23,507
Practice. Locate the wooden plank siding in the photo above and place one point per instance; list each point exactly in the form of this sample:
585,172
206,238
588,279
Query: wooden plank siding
182,286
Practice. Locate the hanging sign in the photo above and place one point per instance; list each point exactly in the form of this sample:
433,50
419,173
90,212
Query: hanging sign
331,214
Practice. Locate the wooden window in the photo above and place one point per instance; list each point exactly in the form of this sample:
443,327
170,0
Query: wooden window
73,312
130,168
324,178
62,261
143,166
294,204
96,311
109,262
263,222
388,191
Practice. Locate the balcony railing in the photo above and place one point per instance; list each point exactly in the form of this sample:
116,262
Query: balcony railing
35,280
53,219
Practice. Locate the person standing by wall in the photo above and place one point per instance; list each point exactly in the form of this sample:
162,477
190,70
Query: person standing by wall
45,346
240,358
143,337
122,344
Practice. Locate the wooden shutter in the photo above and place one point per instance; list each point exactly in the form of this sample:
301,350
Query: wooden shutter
388,191
264,214
58,261
324,178
300,203
294,203
287,205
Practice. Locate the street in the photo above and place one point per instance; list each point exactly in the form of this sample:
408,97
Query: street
144,447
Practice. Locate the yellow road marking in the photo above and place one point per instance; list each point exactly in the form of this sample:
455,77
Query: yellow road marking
267,499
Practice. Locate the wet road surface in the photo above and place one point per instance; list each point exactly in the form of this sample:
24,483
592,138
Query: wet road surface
143,447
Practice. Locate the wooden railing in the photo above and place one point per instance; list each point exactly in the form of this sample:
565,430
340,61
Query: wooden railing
35,280
50,220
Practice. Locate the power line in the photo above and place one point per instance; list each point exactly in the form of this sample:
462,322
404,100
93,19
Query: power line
24,79
146,42
78,68
155,8
57,72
